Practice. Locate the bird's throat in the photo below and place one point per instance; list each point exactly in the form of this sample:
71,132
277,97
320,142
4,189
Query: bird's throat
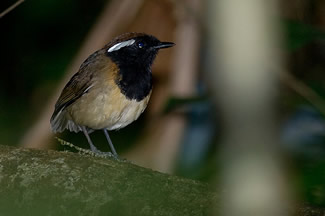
135,82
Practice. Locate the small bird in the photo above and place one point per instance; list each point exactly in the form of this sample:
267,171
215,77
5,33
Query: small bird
111,88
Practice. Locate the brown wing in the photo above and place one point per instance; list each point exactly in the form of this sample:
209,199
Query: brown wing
78,85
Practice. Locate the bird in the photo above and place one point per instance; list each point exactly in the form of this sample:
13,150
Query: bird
110,90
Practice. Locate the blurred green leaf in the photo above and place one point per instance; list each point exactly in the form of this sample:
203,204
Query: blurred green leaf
311,181
299,34
178,102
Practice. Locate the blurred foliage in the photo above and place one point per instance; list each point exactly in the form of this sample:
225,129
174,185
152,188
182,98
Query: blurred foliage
38,41
299,34
174,103
310,180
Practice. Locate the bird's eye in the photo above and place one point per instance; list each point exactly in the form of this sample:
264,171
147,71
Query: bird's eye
140,45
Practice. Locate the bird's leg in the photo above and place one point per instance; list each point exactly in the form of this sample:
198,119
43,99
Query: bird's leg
110,143
92,146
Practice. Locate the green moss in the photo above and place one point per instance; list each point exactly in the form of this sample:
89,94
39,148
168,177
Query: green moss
36,182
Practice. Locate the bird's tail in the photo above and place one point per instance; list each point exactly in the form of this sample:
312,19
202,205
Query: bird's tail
59,123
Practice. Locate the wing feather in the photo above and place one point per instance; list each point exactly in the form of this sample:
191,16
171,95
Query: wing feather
79,84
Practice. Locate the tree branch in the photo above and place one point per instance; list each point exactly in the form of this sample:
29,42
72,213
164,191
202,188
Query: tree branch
41,182
2,14
38,182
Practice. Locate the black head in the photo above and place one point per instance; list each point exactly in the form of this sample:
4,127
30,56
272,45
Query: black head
134,54
136,49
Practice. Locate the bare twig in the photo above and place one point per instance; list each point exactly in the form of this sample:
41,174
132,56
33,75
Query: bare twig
80,150
11,8
86,151
303,90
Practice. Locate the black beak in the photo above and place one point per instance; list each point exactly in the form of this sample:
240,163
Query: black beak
163,45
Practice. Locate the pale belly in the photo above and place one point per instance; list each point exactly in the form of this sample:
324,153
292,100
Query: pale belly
109,109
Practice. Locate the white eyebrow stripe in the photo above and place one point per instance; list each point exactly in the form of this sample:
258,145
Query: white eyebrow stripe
121,45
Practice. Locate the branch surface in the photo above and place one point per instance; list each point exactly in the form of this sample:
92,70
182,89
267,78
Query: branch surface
38,182
46,182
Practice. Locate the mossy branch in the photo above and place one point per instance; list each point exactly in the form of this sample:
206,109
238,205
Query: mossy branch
41,182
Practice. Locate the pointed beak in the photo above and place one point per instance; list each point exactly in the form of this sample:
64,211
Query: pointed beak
163,45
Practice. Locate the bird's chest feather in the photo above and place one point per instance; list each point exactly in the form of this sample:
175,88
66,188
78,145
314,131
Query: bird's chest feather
105,106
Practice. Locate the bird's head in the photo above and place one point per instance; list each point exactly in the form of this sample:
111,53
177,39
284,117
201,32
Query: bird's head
135,49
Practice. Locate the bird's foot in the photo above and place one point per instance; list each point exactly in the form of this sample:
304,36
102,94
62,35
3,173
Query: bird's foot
107,155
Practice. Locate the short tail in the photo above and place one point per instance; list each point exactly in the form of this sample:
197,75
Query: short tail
59,123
